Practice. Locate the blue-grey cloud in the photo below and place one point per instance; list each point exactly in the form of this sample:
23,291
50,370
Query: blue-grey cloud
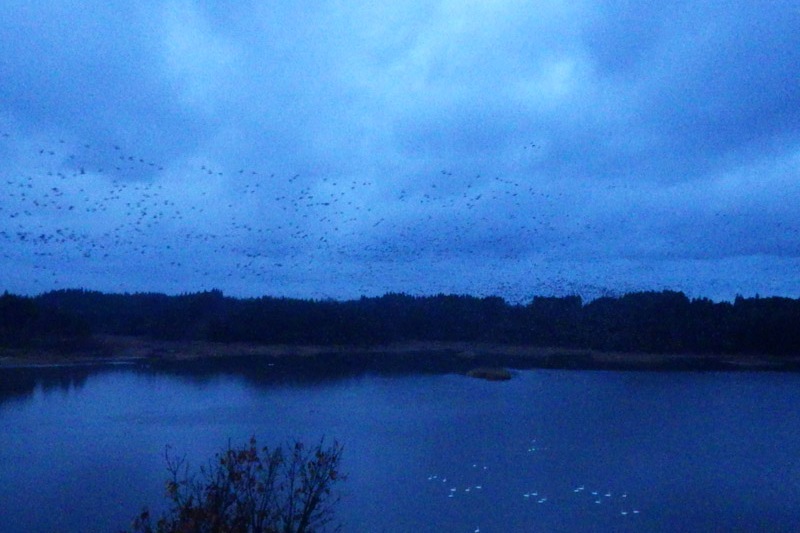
335,150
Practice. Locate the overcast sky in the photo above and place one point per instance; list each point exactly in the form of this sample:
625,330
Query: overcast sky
335,149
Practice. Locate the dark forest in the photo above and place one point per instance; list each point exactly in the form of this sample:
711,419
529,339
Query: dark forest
655,322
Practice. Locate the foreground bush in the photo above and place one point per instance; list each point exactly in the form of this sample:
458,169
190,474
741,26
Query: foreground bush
247,490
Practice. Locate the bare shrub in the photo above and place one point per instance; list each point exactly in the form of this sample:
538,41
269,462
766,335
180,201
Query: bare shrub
247,490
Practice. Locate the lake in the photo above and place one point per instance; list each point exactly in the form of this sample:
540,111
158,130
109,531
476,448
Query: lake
82,449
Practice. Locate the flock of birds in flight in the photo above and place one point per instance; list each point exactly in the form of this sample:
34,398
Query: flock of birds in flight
75,212
102,208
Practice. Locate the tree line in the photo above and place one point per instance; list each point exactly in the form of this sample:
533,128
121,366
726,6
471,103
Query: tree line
658,322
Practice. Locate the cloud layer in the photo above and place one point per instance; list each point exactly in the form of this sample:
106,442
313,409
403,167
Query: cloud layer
335,149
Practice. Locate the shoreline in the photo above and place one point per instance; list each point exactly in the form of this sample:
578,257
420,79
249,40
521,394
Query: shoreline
111,351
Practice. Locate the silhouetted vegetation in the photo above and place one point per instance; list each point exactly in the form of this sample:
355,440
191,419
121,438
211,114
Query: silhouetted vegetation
25,322
658,322
251,490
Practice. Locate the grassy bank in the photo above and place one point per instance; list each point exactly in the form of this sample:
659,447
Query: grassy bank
456,355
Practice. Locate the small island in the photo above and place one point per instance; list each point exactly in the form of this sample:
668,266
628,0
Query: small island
490,373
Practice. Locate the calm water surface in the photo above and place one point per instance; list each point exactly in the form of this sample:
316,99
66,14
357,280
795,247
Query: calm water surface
82,450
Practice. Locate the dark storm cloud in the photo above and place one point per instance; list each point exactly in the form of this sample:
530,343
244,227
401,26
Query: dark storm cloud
92,71
328,149
711,86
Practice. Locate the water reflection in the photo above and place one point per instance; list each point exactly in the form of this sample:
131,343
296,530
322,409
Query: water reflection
18,383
